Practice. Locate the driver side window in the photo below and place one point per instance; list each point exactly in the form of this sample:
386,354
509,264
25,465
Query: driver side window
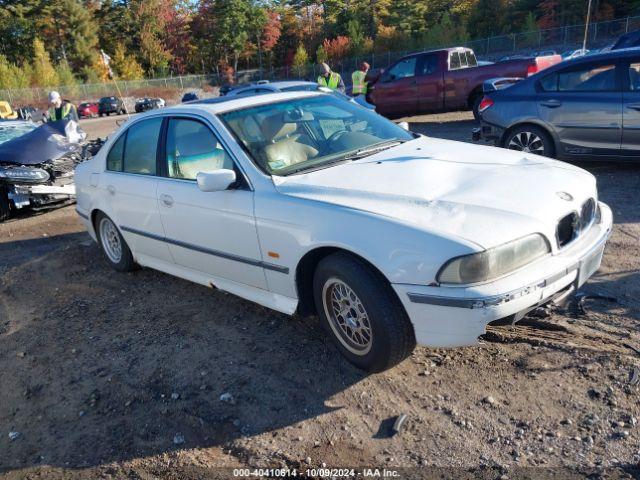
403,69
193,148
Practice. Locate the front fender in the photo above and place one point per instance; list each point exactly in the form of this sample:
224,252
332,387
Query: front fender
290,227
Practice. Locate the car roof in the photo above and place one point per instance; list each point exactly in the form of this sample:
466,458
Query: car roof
273,86
224,104
613,54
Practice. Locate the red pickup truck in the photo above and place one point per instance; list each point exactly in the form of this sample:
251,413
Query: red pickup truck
442,80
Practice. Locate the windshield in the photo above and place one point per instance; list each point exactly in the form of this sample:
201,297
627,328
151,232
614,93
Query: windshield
310,133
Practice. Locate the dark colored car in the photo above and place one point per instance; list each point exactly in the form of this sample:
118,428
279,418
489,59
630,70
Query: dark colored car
144,104
88,109
287,86
442,80
109,105
587,109
189,97
628,40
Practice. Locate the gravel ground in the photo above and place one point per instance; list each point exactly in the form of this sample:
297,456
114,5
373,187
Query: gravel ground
111,375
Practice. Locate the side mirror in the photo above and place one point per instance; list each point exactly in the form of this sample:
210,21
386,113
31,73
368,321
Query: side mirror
404,126
215,181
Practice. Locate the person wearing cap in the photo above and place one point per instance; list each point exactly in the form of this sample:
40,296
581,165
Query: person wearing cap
358,79
61,109
330,79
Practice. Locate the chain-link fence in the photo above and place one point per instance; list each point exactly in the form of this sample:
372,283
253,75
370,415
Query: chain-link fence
541,42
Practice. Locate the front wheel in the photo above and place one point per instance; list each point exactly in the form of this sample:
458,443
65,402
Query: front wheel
530,139
113,245
361,313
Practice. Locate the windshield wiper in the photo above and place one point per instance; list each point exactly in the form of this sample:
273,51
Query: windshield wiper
372,149
361,153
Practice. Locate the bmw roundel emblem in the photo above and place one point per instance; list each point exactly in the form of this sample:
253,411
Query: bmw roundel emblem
565,196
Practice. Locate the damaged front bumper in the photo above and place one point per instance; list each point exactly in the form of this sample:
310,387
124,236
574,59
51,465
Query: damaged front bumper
445,316
39,186
40,196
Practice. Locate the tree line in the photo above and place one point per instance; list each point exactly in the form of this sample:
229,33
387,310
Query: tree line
58,42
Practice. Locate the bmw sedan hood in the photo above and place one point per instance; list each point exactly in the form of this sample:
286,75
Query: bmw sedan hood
485,195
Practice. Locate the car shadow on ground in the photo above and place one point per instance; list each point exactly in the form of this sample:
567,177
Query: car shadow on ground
100,366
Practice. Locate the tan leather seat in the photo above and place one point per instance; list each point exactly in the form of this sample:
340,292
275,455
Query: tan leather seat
286,147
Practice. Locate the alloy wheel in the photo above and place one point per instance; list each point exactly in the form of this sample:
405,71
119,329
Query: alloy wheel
527,142
110,239
347,316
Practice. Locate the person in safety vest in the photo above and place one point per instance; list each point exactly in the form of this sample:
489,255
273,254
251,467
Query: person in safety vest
61,110
358,80
330,79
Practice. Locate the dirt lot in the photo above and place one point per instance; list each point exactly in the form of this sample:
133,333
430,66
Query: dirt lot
110,375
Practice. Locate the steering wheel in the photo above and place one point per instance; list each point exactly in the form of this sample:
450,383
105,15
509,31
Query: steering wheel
332,138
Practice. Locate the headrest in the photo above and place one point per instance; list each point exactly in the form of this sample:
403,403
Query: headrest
274,128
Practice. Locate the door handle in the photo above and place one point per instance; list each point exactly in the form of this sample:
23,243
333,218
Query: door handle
111,189
634,106
551,103
166,199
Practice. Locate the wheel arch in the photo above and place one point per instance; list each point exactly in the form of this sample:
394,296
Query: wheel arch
534,123
306,268
473,94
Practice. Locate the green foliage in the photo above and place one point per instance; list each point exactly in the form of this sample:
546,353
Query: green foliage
69,31
301,58
126,66
321,55
12,76
157,37
65,74
43,75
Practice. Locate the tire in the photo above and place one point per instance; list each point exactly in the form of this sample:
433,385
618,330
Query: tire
113,245
390,337
530,139
5,204
475,106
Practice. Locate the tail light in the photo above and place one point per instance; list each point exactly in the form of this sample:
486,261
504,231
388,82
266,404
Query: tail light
485,103
531,69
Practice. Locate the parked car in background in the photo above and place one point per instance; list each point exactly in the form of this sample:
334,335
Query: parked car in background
189,97
109,105
6,112
586,108
287,86
88,109
570,54
301,201
442,80
628,40
29,112
144,104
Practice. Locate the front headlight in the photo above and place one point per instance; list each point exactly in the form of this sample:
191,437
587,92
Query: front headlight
24,174
495,262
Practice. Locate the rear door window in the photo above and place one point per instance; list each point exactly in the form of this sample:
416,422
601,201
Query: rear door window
141,147
114,157
587,78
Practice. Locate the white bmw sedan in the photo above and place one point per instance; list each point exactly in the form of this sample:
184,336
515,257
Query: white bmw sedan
306,203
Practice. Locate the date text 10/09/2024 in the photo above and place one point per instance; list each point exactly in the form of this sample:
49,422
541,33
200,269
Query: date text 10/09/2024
316,472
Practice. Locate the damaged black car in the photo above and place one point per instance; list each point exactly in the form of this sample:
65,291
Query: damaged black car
37,164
